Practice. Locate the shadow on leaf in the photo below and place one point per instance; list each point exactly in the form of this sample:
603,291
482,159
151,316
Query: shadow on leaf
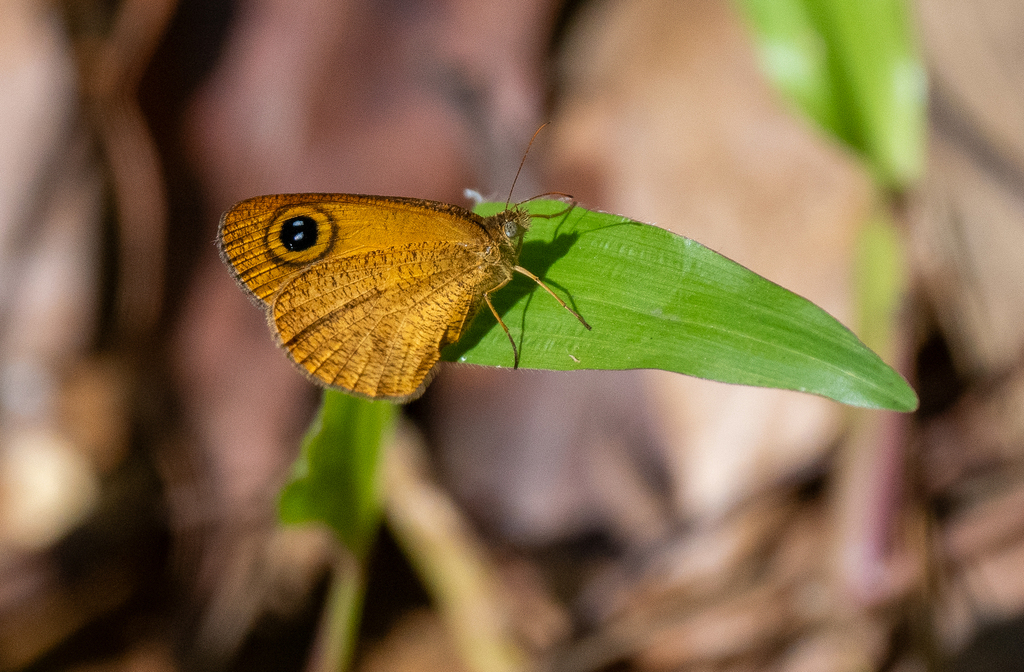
536,257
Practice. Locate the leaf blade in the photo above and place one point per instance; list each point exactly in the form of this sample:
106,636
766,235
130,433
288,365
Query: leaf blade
335,480
658,300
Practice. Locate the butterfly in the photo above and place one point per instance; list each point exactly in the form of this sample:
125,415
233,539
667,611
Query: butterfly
363,292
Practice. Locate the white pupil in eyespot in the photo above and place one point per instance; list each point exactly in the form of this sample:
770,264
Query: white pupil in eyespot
510,229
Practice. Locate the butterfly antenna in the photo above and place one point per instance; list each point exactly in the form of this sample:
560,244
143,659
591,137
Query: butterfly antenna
509,199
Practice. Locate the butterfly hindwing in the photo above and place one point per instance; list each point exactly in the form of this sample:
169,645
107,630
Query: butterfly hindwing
375,324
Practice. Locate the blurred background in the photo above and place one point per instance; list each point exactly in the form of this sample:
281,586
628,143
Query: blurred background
607,520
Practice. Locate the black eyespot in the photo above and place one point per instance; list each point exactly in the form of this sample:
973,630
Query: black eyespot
298,234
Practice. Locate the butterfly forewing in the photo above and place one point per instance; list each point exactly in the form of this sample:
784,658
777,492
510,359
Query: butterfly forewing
347,225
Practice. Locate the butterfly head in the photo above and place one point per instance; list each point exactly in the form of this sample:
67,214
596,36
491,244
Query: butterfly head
513,224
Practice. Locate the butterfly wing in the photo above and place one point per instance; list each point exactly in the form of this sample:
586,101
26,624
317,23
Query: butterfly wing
375,326
372,291
250,235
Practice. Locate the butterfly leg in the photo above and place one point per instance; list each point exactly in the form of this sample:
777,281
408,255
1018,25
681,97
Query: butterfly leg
515,351
548,290
560,213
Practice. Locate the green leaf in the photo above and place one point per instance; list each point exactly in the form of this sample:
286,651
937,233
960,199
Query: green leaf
336,478
660,301
854,68
795,56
